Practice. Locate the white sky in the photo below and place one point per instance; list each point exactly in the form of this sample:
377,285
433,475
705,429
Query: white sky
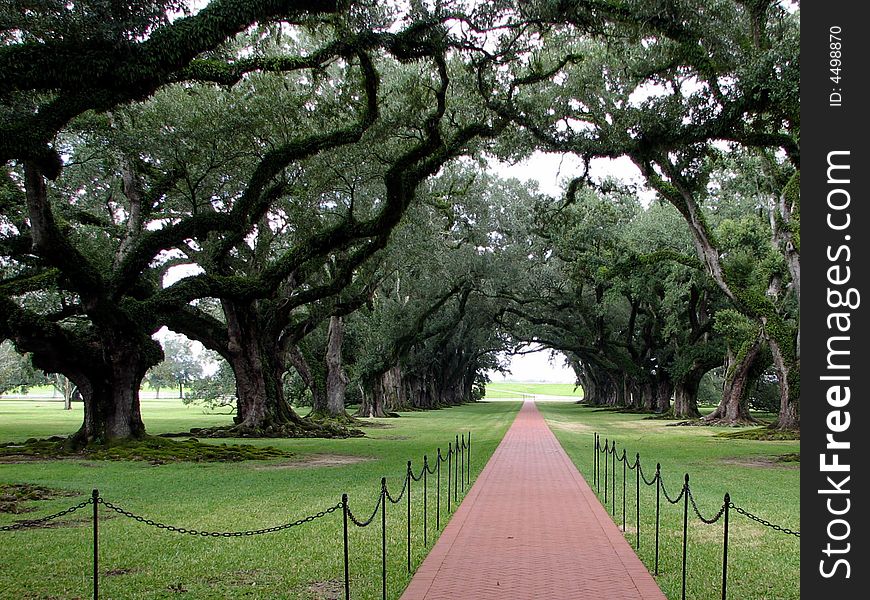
536,367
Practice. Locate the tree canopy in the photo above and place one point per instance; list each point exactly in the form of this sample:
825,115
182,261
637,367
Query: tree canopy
304,189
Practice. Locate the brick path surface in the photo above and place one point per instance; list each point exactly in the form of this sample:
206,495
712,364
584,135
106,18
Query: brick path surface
530,527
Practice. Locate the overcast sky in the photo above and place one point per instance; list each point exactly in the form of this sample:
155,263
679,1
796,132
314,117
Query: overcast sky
536,367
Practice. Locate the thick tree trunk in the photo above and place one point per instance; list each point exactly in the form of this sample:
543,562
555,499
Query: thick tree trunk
261,404
664,389
686,395
372,404
732,408
110,391
789,402
257,366
336,379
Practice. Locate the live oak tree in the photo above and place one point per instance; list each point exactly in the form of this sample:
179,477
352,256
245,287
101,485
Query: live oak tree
238,174
98,332
58,63
668,87
418,343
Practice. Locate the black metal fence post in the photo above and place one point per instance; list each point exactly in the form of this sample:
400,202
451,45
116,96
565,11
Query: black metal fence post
95,498
658,511
624,465
449,472
468,460
409,514
438,492
425,501
462,463
685,530
456,471
637,496
384,537
606,454
595,459
725,547
613,481
346,553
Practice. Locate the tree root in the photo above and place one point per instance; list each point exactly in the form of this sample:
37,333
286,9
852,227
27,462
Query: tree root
343,420
302,429
155,450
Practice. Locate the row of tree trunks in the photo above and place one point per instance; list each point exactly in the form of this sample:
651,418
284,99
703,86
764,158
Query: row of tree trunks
395,390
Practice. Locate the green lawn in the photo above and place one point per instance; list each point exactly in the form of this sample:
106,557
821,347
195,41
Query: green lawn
764,564
513,389
139,561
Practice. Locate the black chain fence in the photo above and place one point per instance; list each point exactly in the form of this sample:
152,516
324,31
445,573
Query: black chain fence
458,459
609,482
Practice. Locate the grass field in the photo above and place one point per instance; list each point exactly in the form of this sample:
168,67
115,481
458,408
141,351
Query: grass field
513,389
139,561
764,564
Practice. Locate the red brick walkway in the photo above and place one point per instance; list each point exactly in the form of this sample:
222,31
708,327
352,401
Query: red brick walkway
530,527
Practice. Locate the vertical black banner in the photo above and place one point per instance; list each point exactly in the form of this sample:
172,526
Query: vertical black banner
835,299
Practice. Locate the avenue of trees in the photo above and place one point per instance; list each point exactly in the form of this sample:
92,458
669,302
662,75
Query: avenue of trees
303,188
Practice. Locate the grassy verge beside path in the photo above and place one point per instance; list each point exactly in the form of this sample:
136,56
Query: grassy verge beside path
763,564
139,561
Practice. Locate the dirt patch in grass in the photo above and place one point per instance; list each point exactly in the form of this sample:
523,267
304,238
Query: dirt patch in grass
575,427
14,495
75,521
317,460
331,589
155,450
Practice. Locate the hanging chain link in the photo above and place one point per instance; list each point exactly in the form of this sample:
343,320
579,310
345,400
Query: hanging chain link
642,476
765,522
368,521
698,512
226,534
401,494
38,522
668,498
